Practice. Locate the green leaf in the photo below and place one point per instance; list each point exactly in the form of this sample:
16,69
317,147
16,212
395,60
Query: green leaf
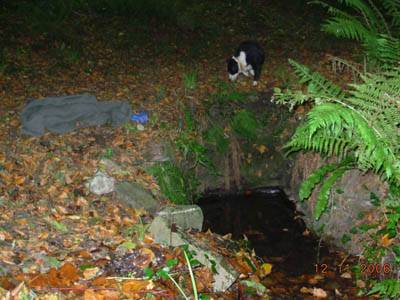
323,196
163,273
148,272
194,262
128,245
86,266
59,226
345,239
53,262
308,185
250,263
261,289
172,262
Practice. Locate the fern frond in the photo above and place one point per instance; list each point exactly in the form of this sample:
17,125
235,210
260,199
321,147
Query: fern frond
371,15
333,128
375,26
316,83
308,185
392,8
350,28
387,50
330,116
289,98
324,192
321,143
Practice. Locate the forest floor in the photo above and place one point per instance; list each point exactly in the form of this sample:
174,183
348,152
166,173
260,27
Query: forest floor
55,236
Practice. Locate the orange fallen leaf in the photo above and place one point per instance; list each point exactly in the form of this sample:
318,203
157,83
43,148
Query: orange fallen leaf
386,241
91,294
68,273
85,254
38,281
63,195
19,180
99,281
43,235
90,273
147,256
53,279
134,286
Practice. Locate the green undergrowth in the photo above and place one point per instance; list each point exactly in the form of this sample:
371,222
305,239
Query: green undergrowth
203,141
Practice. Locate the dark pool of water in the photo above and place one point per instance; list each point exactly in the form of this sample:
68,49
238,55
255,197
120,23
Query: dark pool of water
269,220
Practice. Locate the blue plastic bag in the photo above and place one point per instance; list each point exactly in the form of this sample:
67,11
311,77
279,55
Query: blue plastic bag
141,117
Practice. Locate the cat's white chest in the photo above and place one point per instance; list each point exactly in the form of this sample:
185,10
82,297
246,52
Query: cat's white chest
244,68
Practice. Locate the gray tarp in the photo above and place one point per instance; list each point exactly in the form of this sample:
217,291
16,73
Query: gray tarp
65,113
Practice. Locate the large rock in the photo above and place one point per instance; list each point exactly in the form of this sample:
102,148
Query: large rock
183,216
350,199
101,184
226,275
135,196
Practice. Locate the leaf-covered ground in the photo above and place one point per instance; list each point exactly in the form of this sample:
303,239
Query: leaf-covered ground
56,238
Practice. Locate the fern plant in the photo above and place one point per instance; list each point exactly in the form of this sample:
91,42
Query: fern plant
389,288
375,24
360,124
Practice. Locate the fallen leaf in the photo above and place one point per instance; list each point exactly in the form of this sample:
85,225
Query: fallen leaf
386,241
360,284
338,293
135,286
19,180
85,254
261,148
4,235
319,293
39,281
90,273
99,281
91,294
265,270
346,275
68,273
315,279
306,290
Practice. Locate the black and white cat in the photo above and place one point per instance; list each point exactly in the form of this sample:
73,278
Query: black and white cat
247,59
